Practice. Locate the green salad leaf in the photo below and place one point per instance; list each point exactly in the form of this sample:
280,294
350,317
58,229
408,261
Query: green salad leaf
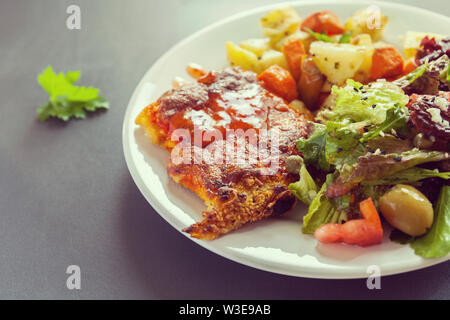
313,148
66,99
305,189
375,165
343,144
373,191
369,103
389,144
331,144
365,145
408,176
341,203
436,243
320,212
396,121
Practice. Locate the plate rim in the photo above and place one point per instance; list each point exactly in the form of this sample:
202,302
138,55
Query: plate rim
141,185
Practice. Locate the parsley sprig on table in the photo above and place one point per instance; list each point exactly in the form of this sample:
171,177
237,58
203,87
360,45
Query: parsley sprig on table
66,99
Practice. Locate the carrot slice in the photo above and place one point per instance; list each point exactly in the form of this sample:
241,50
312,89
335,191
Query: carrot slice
387,62
370,213
280,82
323,21
363,232
294,51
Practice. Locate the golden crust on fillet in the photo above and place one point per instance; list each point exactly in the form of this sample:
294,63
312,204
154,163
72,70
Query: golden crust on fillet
235,192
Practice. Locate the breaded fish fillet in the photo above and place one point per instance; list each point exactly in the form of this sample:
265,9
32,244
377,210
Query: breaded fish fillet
252,183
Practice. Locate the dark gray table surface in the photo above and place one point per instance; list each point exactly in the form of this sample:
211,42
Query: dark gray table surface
66,196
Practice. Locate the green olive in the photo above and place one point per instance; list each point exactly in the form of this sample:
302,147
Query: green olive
407,209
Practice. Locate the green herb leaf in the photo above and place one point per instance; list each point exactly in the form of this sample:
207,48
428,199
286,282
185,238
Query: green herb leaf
66,99
345,38
416,73
319,36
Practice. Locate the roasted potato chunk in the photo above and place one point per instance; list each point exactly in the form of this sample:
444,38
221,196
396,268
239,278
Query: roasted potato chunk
280,23
337,61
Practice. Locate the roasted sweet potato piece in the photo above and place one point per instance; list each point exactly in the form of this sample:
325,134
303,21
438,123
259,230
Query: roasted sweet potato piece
280,82
387,63
323,21
294,51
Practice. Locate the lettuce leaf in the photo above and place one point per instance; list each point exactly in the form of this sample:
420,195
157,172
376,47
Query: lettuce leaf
305,189
343,145
321,211
436,243
373,191
375,166
408,176
389,144
330,145
341,203
364,103
313,148
396,121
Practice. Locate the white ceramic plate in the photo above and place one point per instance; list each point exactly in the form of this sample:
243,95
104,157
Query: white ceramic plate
275,245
